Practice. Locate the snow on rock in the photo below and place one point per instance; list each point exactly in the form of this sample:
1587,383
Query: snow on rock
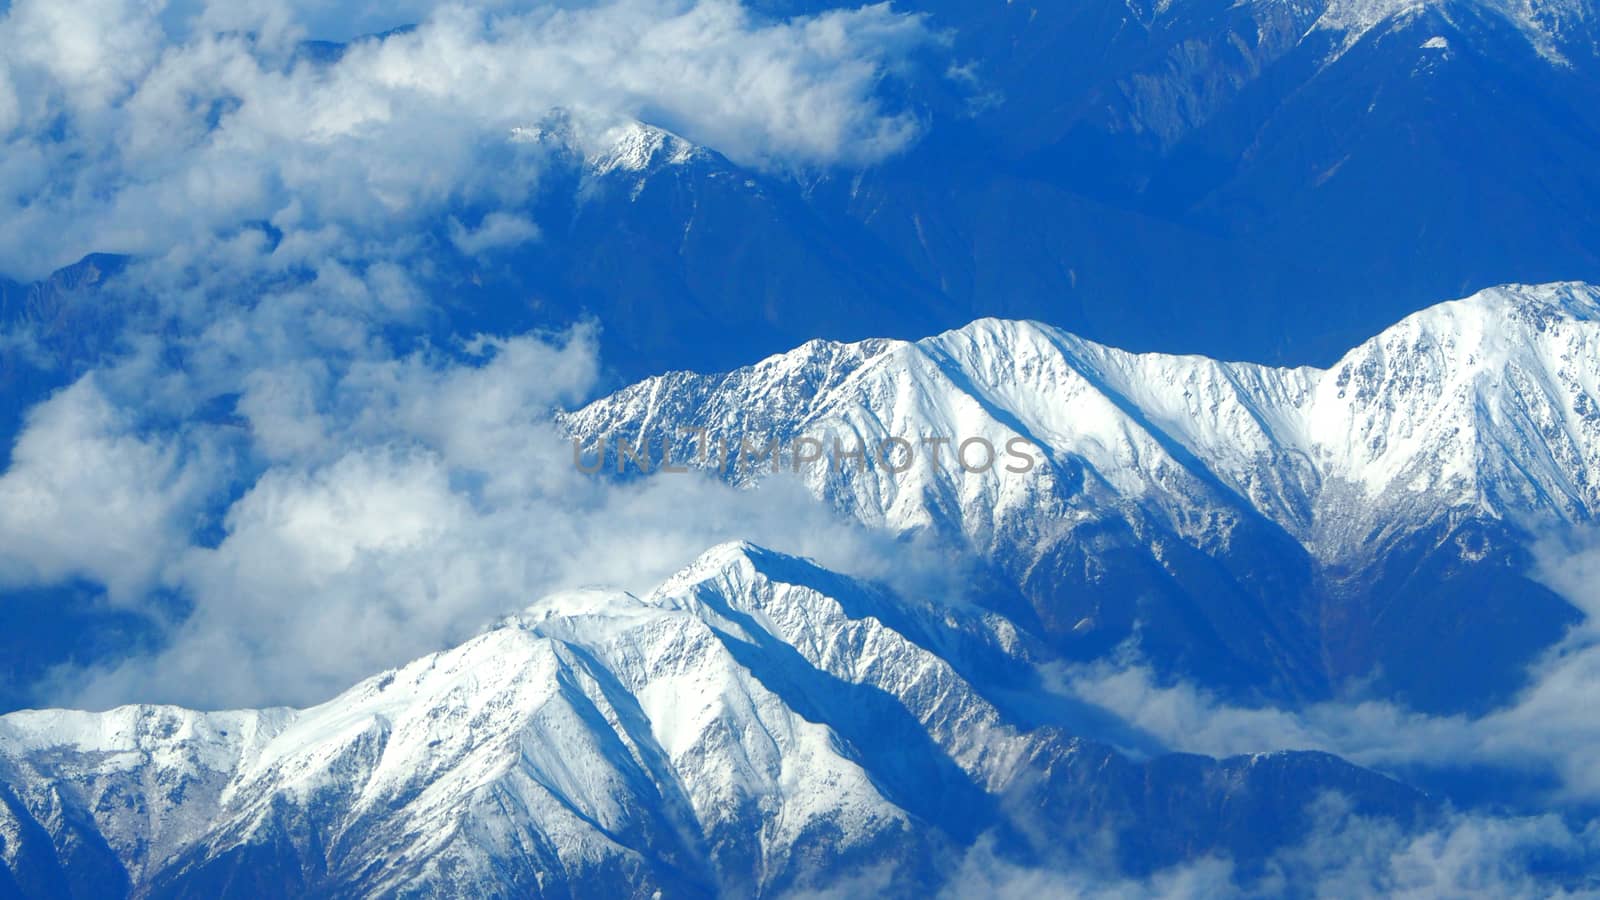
1491,404
636,147
596,733
1546,23
756,726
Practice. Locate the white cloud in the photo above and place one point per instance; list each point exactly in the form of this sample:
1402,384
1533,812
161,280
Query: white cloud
142,137
89,496
93,50
985,873
1343,854
497,231
1347,855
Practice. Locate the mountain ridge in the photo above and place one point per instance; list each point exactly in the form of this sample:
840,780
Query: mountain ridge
737,730
1452,436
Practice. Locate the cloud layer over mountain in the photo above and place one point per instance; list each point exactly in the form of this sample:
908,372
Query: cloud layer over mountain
126,132
1545,734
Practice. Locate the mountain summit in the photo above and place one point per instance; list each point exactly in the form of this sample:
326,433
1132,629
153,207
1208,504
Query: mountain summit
1208,510
756,726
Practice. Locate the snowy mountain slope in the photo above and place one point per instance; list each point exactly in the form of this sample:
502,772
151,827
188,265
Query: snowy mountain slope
1275,491
753,726
122,791
520,760
573,759
1547,24
1488,401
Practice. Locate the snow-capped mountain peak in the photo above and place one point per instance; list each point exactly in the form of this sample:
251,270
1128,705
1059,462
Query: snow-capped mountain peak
1491,400
755,726
1546,23
637,147
1444,437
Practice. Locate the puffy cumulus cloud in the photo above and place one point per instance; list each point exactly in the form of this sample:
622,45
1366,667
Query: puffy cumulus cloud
90,496
1548,730
91,52
483,408
124,132
496,231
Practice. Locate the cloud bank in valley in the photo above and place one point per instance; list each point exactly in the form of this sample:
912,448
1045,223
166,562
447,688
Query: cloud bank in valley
1343,854
1548,731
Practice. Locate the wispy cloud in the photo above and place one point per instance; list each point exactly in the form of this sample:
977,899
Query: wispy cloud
1343,854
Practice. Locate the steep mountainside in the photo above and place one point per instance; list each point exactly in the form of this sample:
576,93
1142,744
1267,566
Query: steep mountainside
756,725
1301,526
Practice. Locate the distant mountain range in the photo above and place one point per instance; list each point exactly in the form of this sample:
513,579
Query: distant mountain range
1265,181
